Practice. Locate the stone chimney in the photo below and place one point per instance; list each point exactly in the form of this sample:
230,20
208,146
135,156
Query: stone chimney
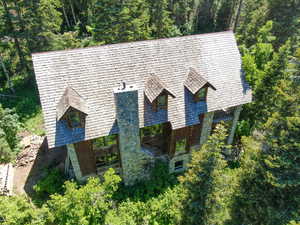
127,114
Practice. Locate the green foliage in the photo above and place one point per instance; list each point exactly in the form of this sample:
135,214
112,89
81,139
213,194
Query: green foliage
18,210
87,204
9,141
207,183
160,180
52,183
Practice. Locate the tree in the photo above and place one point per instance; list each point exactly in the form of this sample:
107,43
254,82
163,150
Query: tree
133,21
225,15
9,126
269,187
161,23
87,204
208,186
103,19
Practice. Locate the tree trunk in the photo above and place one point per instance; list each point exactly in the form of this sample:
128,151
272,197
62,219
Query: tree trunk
9,83
236,22
73,13
65,14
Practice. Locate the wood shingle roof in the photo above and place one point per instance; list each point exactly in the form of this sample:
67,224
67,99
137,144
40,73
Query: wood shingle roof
95,71
154,87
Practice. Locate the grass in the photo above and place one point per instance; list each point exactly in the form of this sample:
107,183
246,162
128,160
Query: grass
26,104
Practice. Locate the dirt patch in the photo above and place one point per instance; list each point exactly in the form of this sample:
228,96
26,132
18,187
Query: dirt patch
33,161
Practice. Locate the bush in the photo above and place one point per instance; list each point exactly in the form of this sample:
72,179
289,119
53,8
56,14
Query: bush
52,183
9,141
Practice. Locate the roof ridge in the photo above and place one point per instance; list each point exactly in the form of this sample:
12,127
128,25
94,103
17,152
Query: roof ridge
130,42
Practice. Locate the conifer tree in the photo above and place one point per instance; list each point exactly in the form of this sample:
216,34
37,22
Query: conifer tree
161,23
104,17
133,21
207,184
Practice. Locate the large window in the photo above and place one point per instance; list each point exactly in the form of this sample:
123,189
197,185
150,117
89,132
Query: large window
156,138
200,95
106,150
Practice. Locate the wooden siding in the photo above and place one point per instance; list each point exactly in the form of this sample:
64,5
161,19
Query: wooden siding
86,157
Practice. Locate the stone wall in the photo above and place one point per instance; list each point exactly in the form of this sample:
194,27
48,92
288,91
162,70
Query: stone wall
183,157
206,127
235,120
135,162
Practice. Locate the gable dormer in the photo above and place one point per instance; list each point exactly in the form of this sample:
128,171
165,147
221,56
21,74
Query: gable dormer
197,85
157,93
72,108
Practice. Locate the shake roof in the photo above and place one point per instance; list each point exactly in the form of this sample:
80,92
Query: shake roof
95,71
70,98
195,81
154,87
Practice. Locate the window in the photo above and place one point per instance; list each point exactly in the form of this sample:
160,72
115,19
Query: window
161,102
75,119
178,165
200,95
180,146
106,150
152,136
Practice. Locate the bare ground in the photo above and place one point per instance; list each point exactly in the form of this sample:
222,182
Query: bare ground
27,174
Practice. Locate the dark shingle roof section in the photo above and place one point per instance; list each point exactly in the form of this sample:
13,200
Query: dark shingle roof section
70,98
154,87
93,72
195,81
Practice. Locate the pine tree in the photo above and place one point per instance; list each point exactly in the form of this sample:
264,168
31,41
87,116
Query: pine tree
207,183
104,17
161,23
133,21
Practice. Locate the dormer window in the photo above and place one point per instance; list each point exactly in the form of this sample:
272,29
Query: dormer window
162,102
198,85
72,108
200,96
75,119
157,93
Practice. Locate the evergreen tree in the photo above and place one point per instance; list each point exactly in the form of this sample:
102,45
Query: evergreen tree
161,23
225,15
104,17
208,186
133,21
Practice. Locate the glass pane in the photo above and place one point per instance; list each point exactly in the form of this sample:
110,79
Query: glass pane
151,131
74,118
181,145
201,94
105,141
162,101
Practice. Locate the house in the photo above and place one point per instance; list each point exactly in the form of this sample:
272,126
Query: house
125,105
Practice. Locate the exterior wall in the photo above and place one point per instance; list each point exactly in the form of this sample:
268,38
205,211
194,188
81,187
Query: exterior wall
72,164
236,116
206,127
135,162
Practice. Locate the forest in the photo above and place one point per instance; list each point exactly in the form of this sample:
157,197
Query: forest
260,185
